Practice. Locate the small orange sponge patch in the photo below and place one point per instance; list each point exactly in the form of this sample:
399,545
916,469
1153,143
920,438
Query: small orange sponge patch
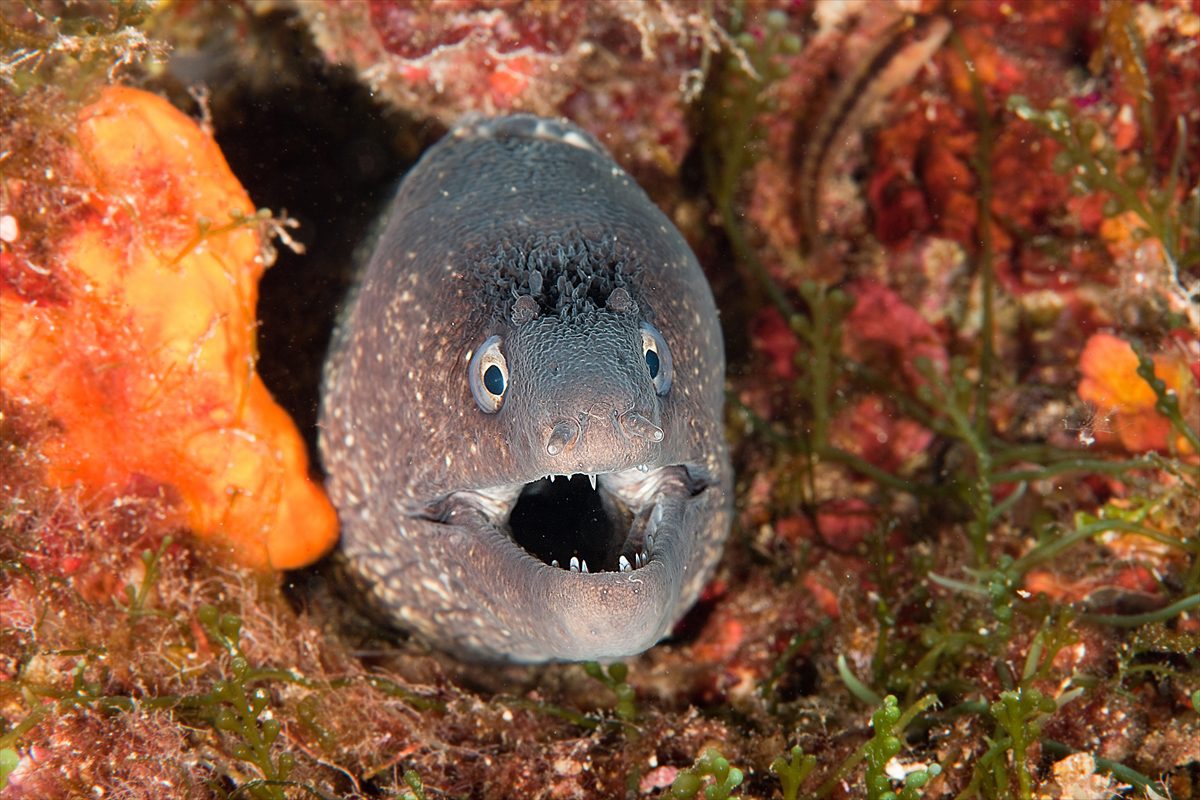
146,359
1112,385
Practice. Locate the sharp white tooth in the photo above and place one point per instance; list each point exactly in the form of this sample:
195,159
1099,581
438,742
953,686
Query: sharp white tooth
554,563
574,564
592,478
649,543
583,567
624,564
551,476
643,467
638,559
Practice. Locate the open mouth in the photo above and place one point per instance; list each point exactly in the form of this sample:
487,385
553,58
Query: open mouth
589,523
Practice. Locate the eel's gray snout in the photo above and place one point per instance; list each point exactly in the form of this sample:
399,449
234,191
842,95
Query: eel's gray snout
594,442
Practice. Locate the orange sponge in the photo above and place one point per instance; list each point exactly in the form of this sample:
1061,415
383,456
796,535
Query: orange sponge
146,358
1111,384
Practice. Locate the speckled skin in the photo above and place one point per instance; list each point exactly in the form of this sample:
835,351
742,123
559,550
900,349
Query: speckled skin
523,228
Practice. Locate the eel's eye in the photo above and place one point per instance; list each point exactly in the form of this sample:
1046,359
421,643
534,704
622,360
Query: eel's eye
658,358
488,375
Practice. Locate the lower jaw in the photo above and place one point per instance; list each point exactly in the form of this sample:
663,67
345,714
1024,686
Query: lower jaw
549,613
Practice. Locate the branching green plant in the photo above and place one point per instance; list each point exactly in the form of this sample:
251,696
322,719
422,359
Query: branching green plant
994,478
998,584
882,748
793,769
615,679
1019,714
309,716
235,708
711,773
737,96
136,596
889,724
955,395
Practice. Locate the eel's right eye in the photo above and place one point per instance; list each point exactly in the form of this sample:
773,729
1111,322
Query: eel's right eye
658,358
487,374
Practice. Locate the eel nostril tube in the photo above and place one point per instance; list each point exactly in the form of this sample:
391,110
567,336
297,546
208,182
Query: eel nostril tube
634,424
562,436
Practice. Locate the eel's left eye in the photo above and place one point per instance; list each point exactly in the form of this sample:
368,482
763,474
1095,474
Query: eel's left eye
488,375
658,358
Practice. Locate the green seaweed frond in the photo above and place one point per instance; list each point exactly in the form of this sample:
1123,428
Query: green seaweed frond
712,773
885,745
615,679
954,397
732,110
236,708
1019,716
793,768
888,724
137,596
856,686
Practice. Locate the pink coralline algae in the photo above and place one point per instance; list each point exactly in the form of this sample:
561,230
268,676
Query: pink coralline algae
444,58
882,329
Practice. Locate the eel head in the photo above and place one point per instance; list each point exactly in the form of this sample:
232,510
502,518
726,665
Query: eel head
595,508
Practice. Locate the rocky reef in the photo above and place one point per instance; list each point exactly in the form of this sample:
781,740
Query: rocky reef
956,248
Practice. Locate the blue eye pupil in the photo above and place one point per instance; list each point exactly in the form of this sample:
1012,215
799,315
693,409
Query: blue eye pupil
493,380
652,363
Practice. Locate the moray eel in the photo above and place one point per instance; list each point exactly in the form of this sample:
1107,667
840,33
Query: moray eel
521,421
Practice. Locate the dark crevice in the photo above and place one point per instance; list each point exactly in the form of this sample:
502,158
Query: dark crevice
310,141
